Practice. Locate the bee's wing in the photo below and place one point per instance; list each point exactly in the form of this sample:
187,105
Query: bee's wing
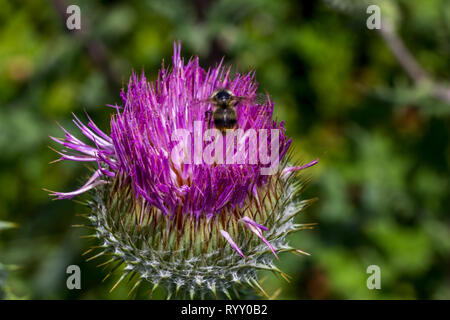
259,99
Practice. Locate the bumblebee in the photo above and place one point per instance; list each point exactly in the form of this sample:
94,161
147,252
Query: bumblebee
224,114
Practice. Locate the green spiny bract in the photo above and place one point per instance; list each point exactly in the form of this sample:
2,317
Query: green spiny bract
188,256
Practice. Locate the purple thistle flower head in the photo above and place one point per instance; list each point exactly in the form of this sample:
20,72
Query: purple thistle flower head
193,192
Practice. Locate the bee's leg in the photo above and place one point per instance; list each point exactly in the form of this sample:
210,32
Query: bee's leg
208,118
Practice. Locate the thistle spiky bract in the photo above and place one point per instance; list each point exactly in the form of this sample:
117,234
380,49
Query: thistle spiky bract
196,229
187,256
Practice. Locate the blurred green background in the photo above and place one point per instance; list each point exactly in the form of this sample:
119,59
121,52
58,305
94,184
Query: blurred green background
381,135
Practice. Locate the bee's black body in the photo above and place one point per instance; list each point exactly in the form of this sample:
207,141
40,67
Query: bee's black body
224,113
224,118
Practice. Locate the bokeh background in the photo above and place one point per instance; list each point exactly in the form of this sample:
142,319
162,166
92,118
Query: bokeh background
374,106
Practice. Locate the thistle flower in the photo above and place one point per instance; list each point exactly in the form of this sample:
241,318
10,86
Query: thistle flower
171,218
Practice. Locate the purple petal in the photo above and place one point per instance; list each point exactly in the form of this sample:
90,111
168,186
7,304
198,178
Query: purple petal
69,195
250,221
288,170
227,236
258,232
91,183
